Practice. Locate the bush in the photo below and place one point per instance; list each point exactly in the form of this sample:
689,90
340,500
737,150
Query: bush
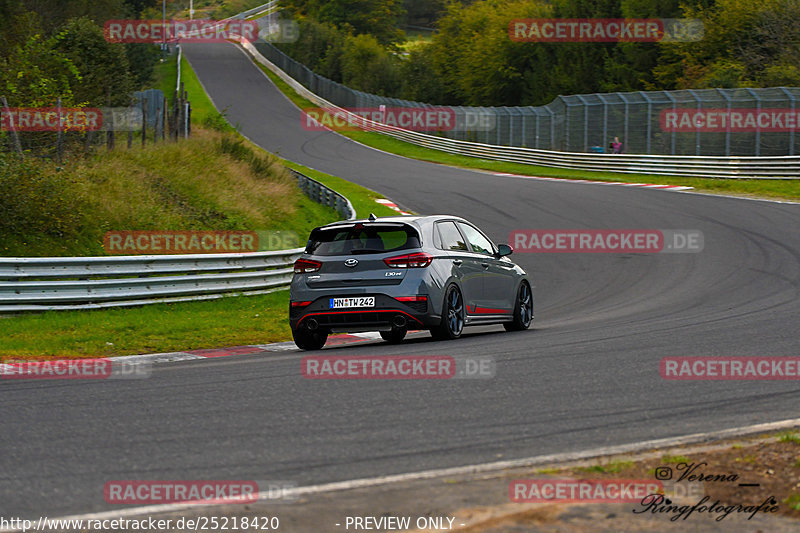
37,202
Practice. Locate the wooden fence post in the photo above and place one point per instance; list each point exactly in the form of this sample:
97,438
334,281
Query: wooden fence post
14,134
144,121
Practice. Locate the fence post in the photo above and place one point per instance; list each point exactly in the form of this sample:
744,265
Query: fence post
791,131
110,131
14,134
144,121
130,124
649,119
758,128
605,122
697,133
156,115
625,128
60,134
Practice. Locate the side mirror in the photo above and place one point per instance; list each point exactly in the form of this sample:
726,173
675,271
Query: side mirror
504,250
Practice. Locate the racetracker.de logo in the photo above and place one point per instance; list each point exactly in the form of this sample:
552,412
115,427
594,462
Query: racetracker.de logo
398,367
180,242
730,368
737,120
194,491
360,118
74,369
582,490
597,241
50,119
599,30
379,367
156,31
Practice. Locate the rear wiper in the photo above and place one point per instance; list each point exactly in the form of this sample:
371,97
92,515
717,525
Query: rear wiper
366,251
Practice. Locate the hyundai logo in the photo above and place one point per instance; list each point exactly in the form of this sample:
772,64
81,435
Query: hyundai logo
351,262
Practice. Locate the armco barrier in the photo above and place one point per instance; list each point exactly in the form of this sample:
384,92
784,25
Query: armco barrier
58,283
779,167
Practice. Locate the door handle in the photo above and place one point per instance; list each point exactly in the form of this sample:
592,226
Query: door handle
457,262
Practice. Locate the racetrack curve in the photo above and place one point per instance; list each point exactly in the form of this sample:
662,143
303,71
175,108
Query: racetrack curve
586,375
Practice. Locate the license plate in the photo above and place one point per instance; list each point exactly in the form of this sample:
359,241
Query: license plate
361,301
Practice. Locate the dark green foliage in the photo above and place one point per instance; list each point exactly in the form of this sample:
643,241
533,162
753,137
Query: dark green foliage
104,68
378,18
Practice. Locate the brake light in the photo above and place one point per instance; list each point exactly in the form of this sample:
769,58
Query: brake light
415,260
412,298
304,266
300,304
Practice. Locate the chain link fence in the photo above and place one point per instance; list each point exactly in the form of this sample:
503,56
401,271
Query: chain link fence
710,122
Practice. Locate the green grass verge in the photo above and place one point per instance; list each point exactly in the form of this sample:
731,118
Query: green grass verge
202,107
779,189
165,75
153,328
363,199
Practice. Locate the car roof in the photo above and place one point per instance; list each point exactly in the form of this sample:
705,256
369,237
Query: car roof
405,219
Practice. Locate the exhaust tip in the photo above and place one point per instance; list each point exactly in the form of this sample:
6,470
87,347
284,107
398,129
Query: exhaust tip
399,321
312,324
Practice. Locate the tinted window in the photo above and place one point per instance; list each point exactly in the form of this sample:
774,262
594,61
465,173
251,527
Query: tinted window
479,243
362,239
450,236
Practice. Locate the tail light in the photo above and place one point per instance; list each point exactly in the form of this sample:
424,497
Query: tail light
304,266
300,304
415,260
411,298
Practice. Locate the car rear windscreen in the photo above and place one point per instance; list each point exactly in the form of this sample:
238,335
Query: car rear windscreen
362,239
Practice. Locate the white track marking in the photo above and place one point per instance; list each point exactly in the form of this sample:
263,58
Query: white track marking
461,470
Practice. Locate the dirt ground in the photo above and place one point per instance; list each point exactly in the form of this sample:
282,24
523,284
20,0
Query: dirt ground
765,468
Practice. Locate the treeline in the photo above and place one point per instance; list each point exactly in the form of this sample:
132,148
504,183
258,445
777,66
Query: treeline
471,60
56,48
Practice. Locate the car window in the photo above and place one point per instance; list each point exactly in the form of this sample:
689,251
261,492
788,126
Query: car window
451,237
362,239
479,243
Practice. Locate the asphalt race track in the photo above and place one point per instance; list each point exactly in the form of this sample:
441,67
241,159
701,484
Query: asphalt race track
586,375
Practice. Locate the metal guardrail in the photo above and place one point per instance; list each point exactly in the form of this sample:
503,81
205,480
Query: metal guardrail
324,195
779,167
260,10
58,283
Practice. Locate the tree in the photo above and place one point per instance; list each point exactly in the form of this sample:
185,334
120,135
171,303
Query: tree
53,13
746,44
368,67
378,18
35,74
103,66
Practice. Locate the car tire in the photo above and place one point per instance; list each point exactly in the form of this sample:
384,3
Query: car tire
453,316
523,309
395,335
309,340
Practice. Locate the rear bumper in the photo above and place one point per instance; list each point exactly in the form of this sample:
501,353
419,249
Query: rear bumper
382,317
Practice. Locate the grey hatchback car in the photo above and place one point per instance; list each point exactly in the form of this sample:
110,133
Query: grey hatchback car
393,274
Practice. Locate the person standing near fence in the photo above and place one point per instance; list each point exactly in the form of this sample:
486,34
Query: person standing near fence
616,146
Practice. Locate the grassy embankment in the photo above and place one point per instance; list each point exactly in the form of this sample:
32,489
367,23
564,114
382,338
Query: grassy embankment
213,180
